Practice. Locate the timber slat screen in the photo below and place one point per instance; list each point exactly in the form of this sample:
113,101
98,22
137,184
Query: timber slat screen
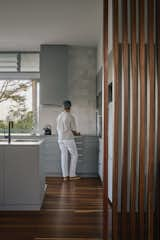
136,125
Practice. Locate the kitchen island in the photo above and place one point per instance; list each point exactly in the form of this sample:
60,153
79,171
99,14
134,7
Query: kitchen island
22,177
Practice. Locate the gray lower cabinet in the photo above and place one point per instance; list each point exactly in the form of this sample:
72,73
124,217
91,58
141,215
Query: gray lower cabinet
1,174
87,165
15,171
88,162
52,157
22,178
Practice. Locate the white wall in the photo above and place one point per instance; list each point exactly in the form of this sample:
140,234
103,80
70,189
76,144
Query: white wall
100,41
100,65
48,115
82,62
110,33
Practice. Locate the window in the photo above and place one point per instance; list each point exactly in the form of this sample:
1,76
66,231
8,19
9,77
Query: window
29,62
19,62
8,62
18,102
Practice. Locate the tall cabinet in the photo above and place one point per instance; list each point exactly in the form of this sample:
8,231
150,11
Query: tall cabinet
53,76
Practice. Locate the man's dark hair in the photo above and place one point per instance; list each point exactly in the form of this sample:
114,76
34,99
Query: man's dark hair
67,104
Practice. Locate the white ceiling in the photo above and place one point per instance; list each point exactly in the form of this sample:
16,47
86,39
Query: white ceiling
25,24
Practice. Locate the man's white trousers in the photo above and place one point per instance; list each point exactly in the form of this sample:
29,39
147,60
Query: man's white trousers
65,147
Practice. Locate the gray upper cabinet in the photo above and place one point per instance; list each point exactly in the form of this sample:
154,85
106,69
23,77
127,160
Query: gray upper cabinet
53,74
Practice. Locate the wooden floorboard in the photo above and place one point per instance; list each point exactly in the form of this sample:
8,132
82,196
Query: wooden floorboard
67,238
71,210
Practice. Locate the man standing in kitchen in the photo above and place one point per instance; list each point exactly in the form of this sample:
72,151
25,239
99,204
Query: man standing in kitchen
66,128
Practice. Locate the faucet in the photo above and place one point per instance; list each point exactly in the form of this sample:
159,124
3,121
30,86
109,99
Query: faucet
10,125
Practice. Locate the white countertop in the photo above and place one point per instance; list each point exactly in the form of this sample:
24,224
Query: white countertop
22,142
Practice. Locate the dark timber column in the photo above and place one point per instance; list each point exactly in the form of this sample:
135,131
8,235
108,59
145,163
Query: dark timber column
105,111
126,114
116,118
151,118
134,85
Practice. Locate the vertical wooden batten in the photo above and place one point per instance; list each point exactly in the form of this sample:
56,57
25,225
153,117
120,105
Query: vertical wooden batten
105,39
125,67
151,119
116,121
134,85
142,117
158,140
105,112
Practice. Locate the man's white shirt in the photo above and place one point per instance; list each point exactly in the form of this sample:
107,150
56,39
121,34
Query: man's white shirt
65,125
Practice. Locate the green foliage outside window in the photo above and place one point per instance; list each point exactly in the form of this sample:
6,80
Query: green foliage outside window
14,91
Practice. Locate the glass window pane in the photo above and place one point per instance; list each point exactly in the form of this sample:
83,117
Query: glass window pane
8,62
18,102
29,62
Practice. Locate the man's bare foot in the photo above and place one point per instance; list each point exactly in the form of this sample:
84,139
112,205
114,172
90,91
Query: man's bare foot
65,179
74,178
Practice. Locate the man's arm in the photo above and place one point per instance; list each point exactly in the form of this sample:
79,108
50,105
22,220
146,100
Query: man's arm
73,127
75,133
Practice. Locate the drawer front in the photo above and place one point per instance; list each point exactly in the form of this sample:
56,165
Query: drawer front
87,148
